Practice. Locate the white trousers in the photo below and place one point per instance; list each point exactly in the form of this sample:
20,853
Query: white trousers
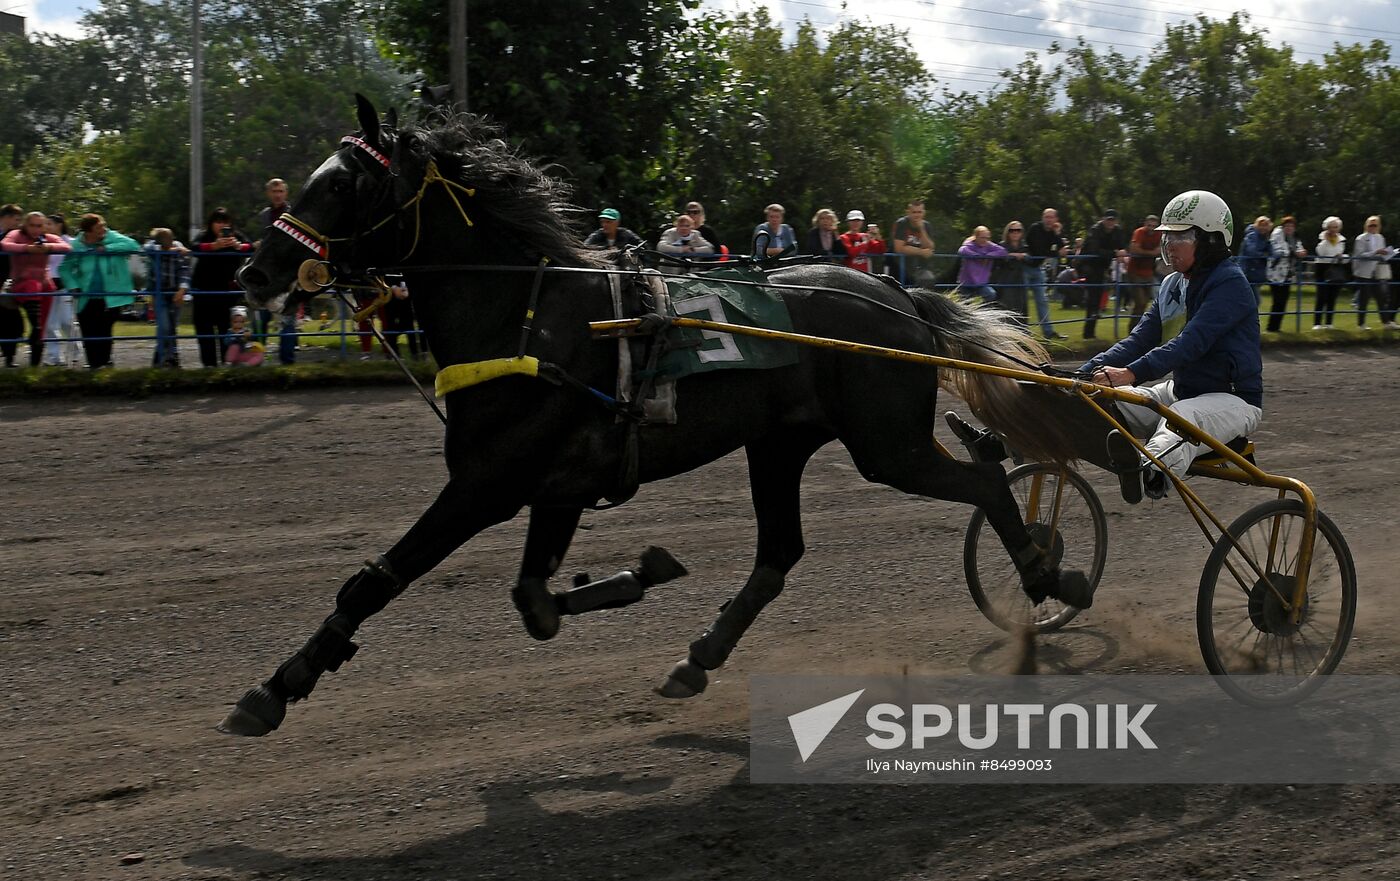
1221,415
61,324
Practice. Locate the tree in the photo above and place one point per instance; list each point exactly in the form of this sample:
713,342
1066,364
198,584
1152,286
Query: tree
1355,114
279,85
810,125
51,88
591,89
1056,138
1202,80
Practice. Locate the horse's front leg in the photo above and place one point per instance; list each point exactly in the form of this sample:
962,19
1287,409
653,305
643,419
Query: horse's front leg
551,530
458,514
546,541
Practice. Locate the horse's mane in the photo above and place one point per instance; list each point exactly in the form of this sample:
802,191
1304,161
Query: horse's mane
523,202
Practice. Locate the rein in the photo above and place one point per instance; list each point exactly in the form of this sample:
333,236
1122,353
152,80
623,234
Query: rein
316,275
318,242
1046,368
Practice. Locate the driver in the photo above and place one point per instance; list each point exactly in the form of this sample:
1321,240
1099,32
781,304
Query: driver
1203,329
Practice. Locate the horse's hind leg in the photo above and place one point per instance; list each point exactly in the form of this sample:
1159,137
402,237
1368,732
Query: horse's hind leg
547,540
454,517
775,477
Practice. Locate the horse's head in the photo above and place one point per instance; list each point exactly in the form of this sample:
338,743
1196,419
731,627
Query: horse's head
385,192
341,217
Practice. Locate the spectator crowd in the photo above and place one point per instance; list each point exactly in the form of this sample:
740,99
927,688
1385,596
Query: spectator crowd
64,289
1043,260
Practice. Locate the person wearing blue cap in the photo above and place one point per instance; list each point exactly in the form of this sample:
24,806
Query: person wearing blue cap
611,233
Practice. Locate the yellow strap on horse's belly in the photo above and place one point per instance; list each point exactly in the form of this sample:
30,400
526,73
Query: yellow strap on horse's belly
460,376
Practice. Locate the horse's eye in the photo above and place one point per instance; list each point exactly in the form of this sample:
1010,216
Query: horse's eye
341,186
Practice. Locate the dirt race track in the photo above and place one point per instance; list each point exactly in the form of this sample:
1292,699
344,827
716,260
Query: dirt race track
162,556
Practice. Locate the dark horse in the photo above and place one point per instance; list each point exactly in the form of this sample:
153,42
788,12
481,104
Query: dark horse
521,441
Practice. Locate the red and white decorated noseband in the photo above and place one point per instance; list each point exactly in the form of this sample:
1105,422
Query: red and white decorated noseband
358,142
301,236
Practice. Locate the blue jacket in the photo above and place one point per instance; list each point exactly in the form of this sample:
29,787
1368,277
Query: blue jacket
1217,350
1254,256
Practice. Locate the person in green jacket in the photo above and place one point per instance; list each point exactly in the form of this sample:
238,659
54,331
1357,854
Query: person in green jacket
99,267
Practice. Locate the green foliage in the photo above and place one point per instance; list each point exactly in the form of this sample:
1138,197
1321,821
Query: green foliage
811,124
1056,138
68,176
593,89
646,104
51,88
1203,79
1213,107
105,120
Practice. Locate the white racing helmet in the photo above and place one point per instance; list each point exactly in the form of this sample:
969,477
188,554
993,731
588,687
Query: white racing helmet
1199,208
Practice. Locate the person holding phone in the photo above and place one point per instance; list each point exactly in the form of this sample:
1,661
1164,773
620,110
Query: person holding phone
861,245
212,283
29,248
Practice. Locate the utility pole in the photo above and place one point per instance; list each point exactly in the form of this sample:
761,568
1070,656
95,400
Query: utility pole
457,38
196,128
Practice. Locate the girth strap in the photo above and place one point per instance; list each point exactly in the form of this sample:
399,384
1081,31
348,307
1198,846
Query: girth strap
459,376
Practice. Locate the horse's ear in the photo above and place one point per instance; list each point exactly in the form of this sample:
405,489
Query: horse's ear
369,120
391,118
400,153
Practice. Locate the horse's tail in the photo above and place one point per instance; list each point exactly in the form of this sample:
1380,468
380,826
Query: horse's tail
1022,414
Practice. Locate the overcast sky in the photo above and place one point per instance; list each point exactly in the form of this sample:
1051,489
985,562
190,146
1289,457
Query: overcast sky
965,42
58,16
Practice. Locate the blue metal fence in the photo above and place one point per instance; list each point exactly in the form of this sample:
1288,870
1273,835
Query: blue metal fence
157,295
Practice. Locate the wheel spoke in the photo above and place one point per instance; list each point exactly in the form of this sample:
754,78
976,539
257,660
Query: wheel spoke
1064,516
1293,656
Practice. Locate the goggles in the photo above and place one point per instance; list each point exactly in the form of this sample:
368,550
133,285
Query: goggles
1174,237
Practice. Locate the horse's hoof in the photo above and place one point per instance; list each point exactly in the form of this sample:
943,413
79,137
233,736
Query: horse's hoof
659,567
686,679
1075,590
537,609
257,713
542,627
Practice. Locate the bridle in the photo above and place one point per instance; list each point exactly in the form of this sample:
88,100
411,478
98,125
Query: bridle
318,273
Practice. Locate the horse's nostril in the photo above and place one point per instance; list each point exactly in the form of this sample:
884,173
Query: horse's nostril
251,277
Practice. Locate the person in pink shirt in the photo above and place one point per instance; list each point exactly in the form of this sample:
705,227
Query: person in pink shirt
977,255
29,248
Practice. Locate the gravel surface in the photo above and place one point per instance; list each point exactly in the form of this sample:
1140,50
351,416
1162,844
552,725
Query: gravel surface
164,555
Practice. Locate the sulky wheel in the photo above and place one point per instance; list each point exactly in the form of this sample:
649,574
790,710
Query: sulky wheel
1249,638
1063,513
